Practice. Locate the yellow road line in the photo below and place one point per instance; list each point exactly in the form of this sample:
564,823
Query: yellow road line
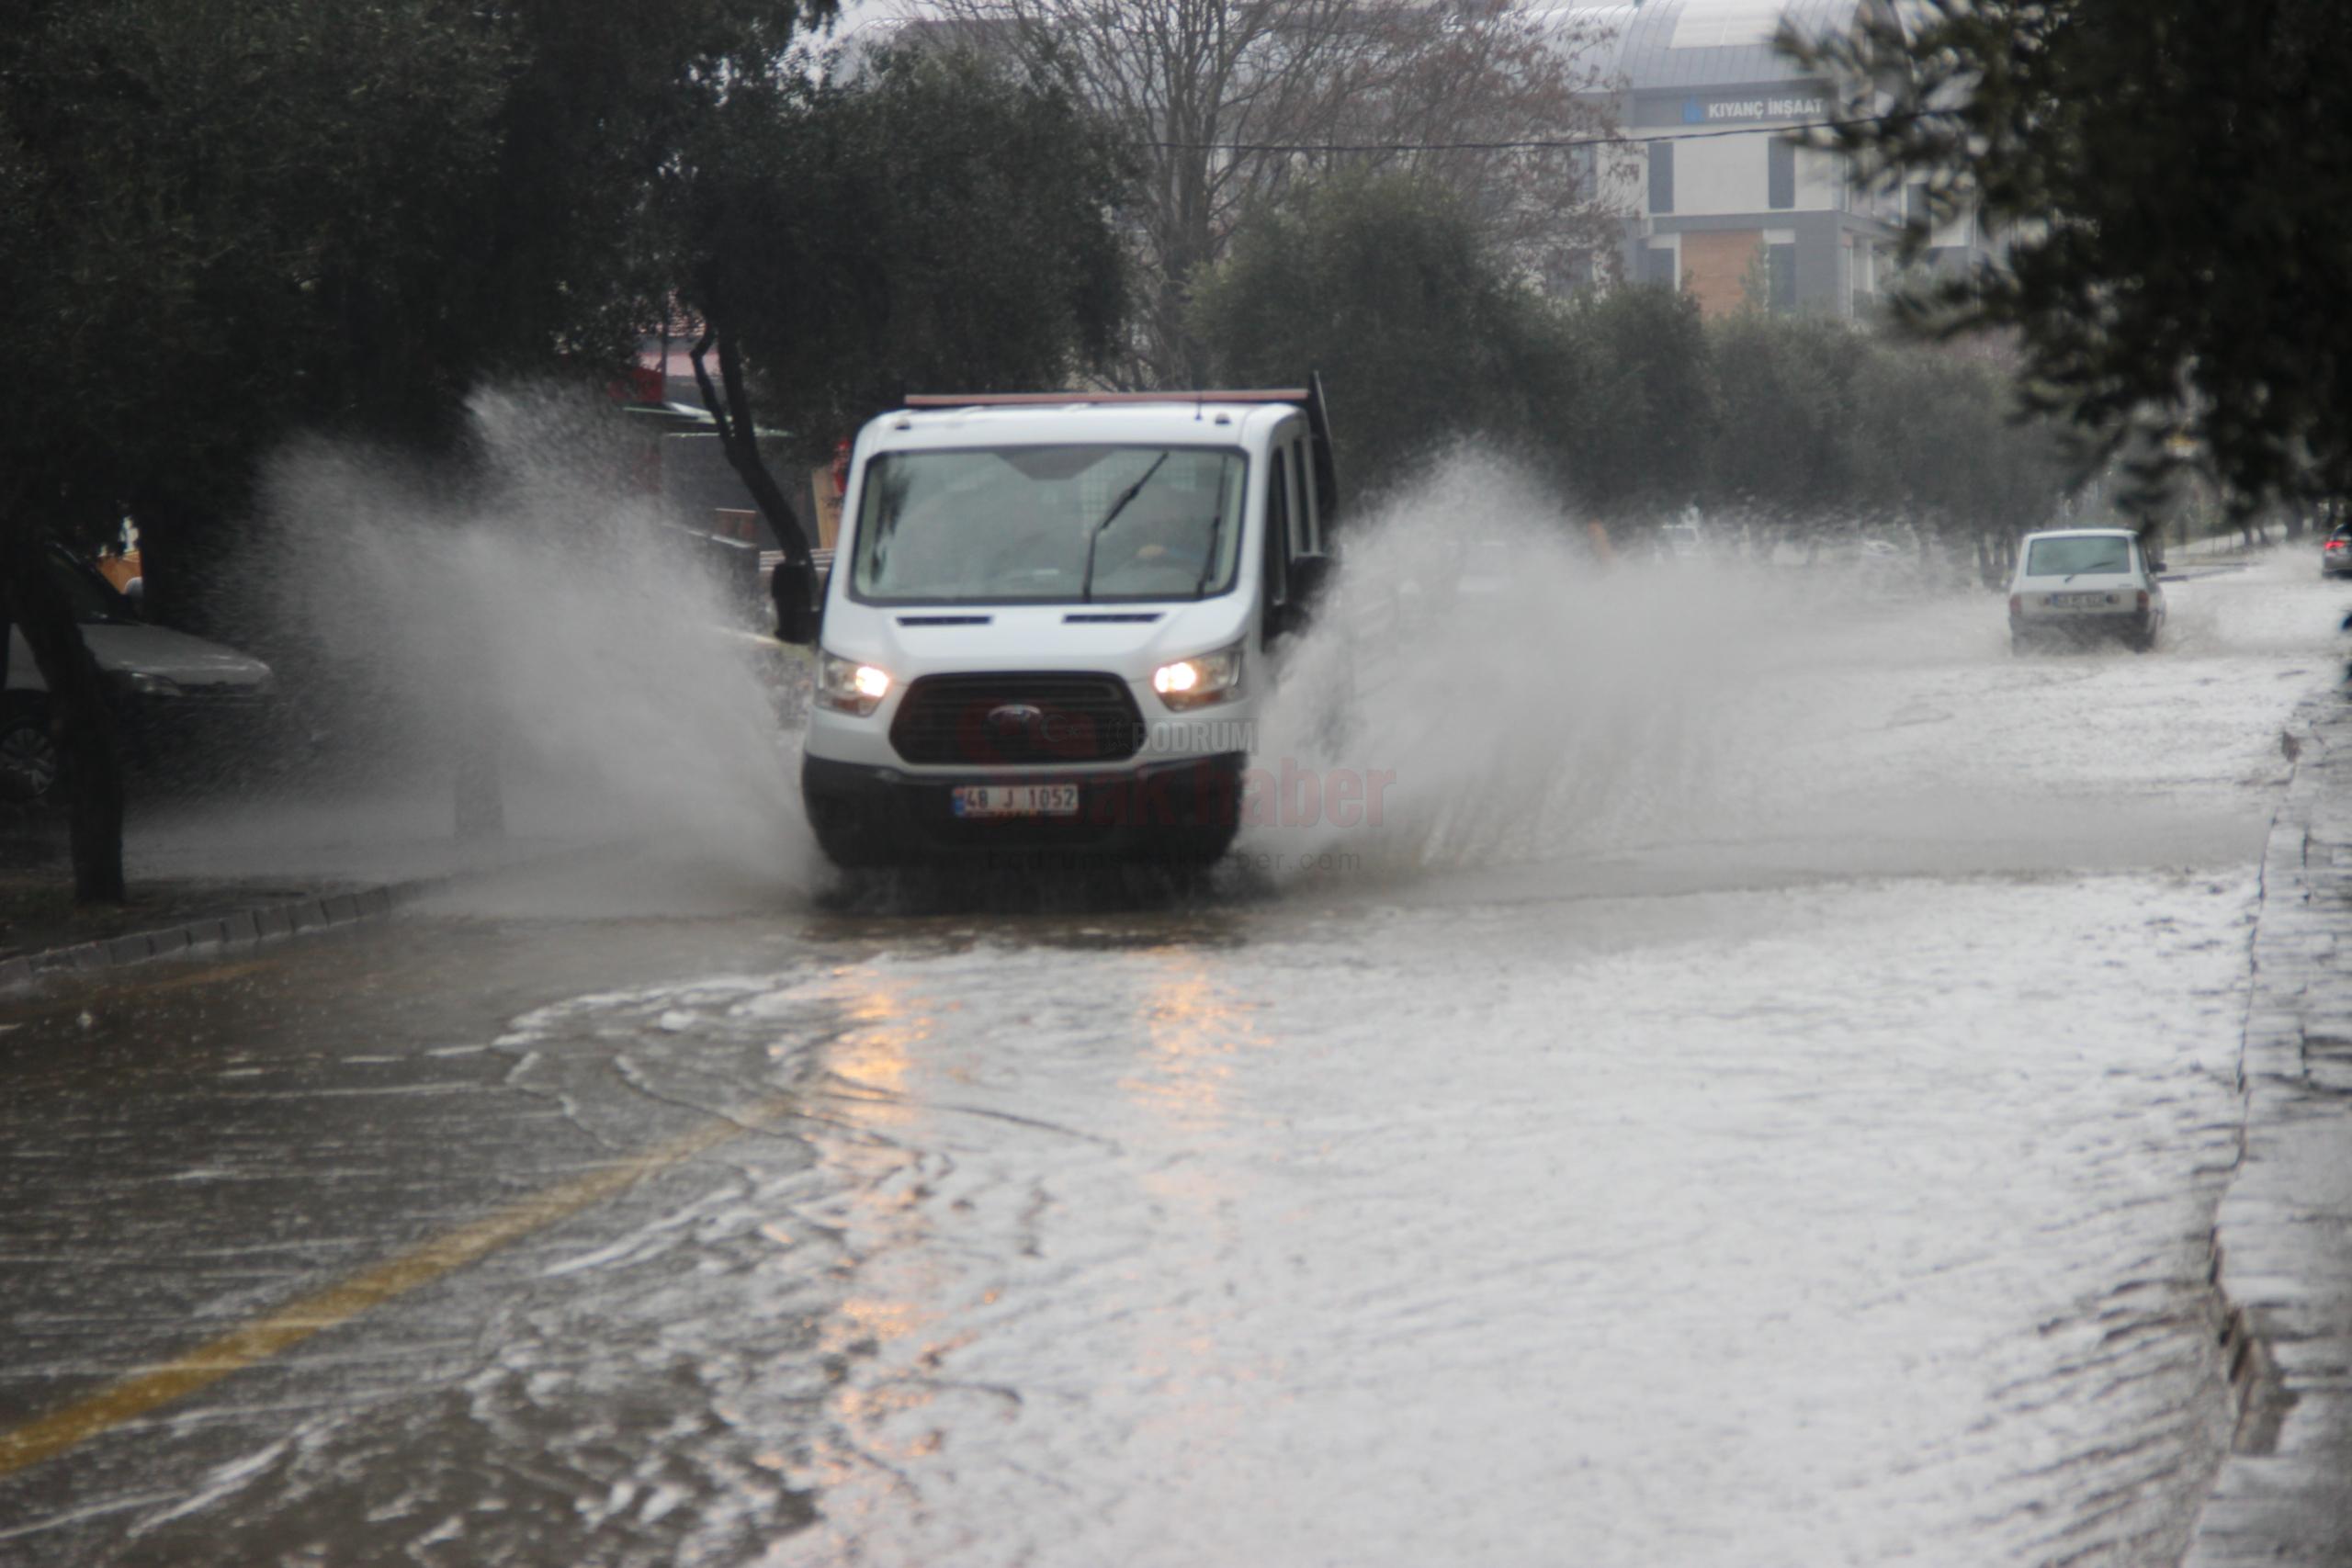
49,1435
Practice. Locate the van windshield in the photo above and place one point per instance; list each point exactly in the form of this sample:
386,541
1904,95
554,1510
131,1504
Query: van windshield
2075,557
1049,525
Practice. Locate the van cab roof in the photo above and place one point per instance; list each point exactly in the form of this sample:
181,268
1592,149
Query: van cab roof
1046,419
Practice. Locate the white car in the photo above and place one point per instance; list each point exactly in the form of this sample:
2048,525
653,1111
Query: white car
167,686
2080,585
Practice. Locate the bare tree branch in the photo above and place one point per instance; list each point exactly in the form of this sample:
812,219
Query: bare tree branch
1214,95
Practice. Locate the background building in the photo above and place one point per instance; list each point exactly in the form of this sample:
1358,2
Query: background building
1721,202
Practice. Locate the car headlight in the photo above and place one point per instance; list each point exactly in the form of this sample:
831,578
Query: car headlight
846,686
1197,681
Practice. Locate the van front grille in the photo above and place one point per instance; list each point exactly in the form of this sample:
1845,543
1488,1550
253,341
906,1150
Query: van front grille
1017,720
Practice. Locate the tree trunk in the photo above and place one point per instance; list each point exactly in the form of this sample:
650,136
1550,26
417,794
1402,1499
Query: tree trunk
80,719
739,438
793,585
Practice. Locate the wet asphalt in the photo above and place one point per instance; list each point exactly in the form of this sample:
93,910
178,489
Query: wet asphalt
1825,1187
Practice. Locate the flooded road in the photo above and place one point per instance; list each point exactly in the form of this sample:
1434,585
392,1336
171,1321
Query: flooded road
1787,1136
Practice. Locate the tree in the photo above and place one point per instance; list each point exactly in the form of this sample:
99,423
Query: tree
172,164
1227,104
1637,435
1389,286
1939,438
1788,442
933,223
230,216
2172,183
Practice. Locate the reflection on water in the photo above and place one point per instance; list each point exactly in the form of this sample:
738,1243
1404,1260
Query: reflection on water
1191,1037
890,1257
884,1022
1191,1030
1031,886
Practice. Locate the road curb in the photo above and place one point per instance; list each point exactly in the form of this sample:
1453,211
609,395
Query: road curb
2283,1236
263,922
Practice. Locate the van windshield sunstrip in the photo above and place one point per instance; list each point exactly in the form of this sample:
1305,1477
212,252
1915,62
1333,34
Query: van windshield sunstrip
1049,525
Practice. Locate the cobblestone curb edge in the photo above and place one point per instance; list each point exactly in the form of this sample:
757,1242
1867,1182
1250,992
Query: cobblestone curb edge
2282,1239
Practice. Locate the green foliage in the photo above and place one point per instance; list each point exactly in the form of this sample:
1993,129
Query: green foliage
1630,402
1789,434
1385,285
1944,439
1822,419
222,220
935,225
1638,434
230,217
2173,179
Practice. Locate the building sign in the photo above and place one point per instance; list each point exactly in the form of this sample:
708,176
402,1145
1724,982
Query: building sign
1709,111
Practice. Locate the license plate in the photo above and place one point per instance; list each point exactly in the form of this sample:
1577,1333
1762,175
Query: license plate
1015,800
2079,601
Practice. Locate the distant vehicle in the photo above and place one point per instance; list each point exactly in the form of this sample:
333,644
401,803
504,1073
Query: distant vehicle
2080,585
1490,569
165,684
1682,541
1052,619
2336,556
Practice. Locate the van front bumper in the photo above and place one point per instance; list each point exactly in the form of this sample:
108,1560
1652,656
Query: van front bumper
1186,808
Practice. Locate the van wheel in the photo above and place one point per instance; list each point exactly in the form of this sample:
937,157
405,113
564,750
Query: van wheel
28,760
1196,848
845,835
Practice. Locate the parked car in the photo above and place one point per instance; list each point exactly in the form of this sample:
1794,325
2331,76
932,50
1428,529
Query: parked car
2080,585
172,692
2335,555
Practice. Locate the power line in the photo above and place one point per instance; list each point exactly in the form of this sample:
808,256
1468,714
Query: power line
1531,144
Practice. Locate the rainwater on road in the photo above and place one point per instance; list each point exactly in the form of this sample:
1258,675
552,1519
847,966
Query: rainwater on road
1774,1118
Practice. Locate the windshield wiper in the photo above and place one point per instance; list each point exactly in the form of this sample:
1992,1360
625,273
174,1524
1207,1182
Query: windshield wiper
1094,535
1208,566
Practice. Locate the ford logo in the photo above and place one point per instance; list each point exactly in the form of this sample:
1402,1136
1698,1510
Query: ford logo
1016,719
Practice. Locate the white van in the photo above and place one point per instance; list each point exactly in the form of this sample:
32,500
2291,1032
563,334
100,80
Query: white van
2078,584
1049,620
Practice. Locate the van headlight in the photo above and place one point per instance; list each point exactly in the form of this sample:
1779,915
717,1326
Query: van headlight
846,686
1197,681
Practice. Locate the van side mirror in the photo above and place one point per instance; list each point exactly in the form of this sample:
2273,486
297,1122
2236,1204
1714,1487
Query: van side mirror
135,591
793,586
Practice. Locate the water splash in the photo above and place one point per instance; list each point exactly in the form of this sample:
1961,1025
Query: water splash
541,607
1529,691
